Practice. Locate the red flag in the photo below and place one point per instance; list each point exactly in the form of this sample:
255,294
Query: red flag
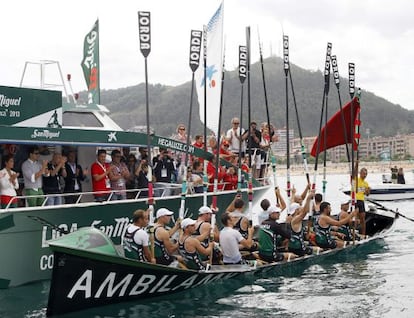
335,131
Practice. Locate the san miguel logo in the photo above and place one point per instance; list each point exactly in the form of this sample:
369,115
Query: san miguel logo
6,101
45,133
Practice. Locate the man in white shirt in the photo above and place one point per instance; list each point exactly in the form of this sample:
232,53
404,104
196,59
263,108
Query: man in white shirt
233,137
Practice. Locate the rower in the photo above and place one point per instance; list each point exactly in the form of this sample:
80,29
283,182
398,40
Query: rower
136,238
203,229
345,229
163,247
323,224
190,247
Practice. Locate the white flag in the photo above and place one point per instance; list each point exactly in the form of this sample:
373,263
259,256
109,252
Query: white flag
213,71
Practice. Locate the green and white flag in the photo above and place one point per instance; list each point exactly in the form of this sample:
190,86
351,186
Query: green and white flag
90,64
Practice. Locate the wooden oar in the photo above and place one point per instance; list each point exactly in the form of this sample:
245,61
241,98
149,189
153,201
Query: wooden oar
389,210
144,27
242,78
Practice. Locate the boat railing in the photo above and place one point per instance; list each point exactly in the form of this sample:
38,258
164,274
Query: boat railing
161,191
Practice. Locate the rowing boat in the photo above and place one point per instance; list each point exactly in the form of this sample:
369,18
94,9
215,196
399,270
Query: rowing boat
89,270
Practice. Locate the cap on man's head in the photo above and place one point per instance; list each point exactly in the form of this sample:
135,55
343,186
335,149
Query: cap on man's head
272,209
163,211
293,207
187,222
204,210
344,202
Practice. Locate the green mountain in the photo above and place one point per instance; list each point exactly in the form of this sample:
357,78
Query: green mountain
170,105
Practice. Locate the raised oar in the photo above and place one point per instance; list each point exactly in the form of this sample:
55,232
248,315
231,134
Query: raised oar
144,27
242,78
286,69
327,81
205,177
194,62
389,210
335,71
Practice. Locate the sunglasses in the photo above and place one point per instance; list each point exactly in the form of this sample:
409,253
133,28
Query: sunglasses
35,153
181,128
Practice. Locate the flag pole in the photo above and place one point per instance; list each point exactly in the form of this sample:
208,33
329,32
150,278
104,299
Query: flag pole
144,27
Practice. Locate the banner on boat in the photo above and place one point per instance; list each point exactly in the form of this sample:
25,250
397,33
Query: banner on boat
30,107
90,64
213,53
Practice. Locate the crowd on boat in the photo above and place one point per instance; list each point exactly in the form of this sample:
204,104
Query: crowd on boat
44,180
309,228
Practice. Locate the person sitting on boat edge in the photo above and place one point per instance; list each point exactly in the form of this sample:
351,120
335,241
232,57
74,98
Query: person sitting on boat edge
270,234
230,240
190,247
240,221
297,239
323,224
163,247
136,238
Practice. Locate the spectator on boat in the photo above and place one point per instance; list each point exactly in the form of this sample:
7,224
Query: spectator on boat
394,174
33,171
253,144
363,189
163,247
211,174
131,181
270,235
74,178
190,247
212,144
52,180
198,141
180,136
198,176
194,182
400,176
141,174
164,169
143,154
264,146
230,179
8,183
118,174
323,226
101,184
230,239
345,229
297,236
136,238
233,136
226,154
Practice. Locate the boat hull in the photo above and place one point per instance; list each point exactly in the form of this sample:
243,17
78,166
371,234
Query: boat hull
93,274
24,232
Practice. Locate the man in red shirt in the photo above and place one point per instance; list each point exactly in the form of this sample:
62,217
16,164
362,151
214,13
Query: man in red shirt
101,185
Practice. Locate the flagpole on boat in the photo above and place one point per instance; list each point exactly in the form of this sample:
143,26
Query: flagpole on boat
242,78
144,27
194,62
326,94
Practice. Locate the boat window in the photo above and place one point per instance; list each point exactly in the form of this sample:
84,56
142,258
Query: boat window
80,119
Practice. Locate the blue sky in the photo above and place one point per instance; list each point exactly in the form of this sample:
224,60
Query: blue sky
378,36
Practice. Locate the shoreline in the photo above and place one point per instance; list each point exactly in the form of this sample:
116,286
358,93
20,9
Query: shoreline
343,167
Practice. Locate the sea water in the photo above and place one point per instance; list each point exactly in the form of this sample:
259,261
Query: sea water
375,281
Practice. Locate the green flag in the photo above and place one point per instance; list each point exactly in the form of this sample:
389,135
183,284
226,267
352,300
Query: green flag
90,63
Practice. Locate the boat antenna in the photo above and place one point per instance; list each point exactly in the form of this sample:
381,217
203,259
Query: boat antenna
144,27
242,77
194,62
